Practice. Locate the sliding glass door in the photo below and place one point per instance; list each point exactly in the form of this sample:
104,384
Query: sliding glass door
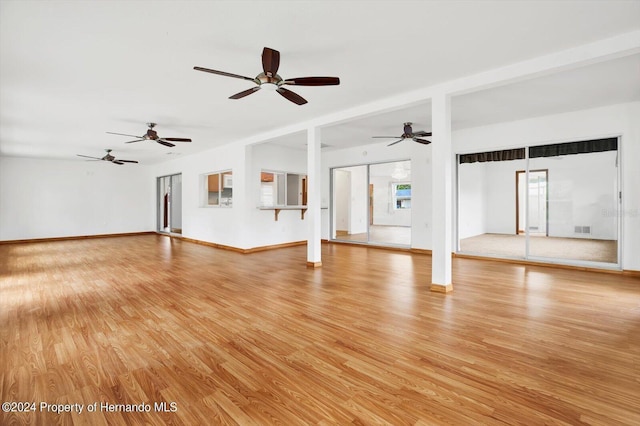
372,203
562,206
169,190
488,217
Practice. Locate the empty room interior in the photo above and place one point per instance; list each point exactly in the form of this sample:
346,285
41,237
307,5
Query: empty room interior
437,223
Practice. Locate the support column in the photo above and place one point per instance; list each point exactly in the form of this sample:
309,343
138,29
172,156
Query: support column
442,190
313,218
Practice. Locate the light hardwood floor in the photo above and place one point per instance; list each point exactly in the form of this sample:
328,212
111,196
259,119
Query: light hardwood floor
260,339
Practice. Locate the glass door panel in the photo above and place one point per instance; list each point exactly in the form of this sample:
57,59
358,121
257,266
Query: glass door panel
581,189
350,205
176,204
489,212
390,203
170,204
164,197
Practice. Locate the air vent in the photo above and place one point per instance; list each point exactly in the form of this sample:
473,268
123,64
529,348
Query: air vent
582,230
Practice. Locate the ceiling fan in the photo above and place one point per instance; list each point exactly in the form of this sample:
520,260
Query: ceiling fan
269,79
108,157
152,135
409,134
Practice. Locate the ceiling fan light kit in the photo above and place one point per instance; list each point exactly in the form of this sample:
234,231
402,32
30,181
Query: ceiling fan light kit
271,87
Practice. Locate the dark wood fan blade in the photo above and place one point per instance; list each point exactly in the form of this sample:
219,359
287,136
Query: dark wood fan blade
245,93
86,156
125,161
165,143
118,162
176,139
422,141
137,140
313,81
293,97
226,74
393,143
123,134
270,61
386,137
422,133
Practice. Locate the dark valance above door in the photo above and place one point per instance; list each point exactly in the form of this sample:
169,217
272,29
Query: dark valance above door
553,150
571,148
503,155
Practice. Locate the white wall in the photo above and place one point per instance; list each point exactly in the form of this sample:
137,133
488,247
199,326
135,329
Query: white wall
242,225
261,226
615,120
629,214
221,225
64,198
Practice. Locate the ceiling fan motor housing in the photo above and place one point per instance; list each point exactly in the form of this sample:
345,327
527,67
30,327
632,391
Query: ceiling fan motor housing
151,134
408,131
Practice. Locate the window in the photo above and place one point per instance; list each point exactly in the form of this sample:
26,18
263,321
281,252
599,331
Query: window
282,189
218,189
401,196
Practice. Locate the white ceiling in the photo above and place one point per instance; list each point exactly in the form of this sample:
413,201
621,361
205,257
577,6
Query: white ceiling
72,70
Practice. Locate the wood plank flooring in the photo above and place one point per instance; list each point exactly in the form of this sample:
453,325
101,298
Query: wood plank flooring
227,338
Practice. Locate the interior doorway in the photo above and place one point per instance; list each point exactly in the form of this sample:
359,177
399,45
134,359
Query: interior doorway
170,204
532,211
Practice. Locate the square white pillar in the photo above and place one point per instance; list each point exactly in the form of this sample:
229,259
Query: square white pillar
313,218
442,190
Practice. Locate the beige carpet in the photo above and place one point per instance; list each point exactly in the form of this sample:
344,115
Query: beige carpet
541,246
396,235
